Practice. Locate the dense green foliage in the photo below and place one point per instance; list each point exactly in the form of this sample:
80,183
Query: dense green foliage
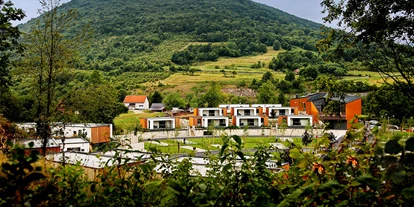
379,32
358,171
9,44
134,36
385,102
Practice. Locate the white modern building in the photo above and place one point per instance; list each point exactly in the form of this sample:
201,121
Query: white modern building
274,112
159,123
266,106
299,120
230,106
96,133
216,121
245,111
250,121
73,145
210,112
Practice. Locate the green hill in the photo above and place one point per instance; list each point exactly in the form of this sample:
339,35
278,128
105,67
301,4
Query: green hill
141,35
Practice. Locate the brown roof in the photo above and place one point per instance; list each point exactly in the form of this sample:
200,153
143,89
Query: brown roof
135,99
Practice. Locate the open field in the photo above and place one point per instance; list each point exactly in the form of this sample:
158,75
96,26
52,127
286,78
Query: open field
130,120
241,62
365,76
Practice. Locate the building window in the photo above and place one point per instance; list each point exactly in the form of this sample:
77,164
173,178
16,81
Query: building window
250,122
296,122
282,112
247,112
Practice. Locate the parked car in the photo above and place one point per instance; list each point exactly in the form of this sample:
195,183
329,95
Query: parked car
393,127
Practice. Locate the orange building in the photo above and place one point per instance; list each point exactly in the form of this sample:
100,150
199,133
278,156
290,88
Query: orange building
313,104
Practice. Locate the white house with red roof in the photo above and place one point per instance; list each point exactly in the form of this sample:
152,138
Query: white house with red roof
136,102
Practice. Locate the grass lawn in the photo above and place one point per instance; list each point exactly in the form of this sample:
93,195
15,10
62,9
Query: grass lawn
172,148
130,120
249,142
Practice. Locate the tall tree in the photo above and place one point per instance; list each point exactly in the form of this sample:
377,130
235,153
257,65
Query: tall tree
266,93
381,31
290,76
174,100
281,98
95,103
214,96
9,36
155,97
9,45
48,56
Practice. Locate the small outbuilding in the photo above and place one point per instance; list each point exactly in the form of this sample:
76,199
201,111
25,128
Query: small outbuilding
157,107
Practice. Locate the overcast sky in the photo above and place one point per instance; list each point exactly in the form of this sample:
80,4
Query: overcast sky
307,9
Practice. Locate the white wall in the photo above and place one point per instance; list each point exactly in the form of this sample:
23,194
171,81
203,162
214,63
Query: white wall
139,106
205,111
244,120
84,147
153,123
68,130
277,111
216,121
304,120
240,111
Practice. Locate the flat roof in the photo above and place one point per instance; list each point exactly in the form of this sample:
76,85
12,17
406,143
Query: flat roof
253,116
299,116
72,140
37,143
215,117
161,118
98,160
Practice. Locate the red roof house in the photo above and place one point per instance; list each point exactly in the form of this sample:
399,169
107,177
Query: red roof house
136,102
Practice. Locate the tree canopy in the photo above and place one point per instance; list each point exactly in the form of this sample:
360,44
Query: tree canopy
9,36
382,33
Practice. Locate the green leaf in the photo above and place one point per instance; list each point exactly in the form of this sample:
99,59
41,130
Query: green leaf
355,183
177,188
398,177
241,155
370,181
408,192
292,198
202,187
330,186
226,168
295,153
303,164
409,144
237,139
393,147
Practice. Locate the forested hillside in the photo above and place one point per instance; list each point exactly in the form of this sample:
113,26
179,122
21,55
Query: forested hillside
139,35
